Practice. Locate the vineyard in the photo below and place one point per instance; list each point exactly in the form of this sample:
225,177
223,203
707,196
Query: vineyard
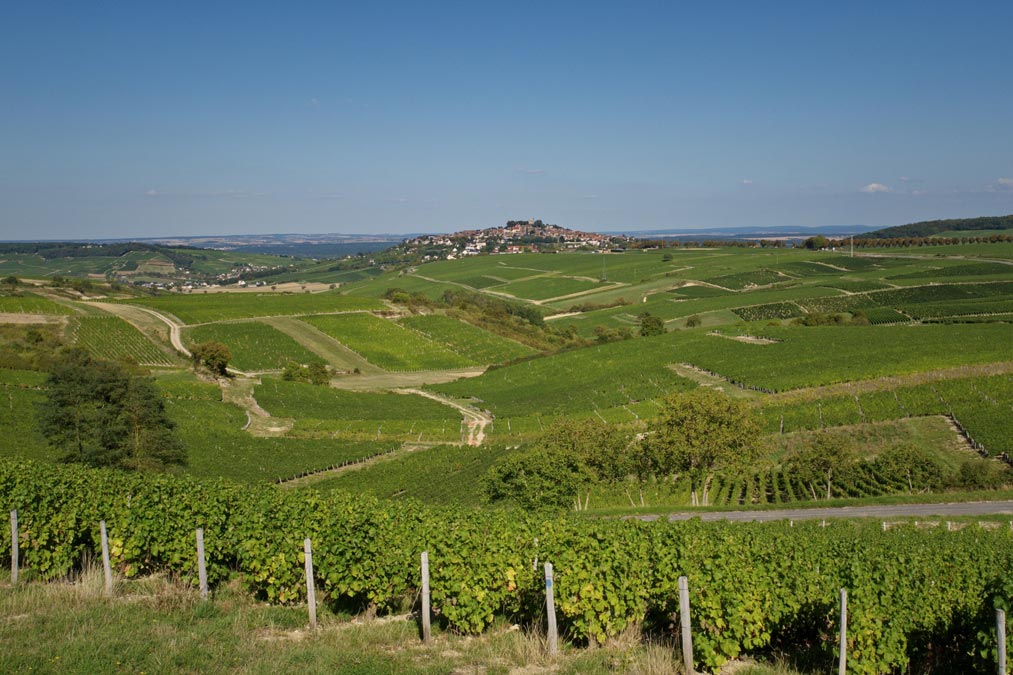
31,304
114,339
748,279
295,399
544,288
597,377
469,341
982,405
916,595
255,346
442,475
207,307
828,354
217,445
387,344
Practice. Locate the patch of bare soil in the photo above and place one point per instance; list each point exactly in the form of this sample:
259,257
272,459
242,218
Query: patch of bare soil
19,318
748,339
259,422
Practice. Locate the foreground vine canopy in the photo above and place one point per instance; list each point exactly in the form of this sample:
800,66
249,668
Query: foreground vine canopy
753,586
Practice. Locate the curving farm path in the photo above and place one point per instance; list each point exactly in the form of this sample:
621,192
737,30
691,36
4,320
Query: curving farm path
475,420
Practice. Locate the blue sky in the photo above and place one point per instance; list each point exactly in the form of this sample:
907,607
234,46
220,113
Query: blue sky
143,119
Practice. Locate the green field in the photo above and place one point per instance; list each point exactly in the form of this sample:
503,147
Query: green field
195,308
31,304
544,288
387,344
804,357
114,339
375,288
599,377
982,405
19,397
469,341
255,346
444,474
919,403
746,297
299,400
216,445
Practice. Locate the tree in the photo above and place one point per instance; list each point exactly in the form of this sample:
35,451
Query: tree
11,281
916,466
699,433
563,466
826,457
816,243
100,415
651,325
316,372
693,321
212,355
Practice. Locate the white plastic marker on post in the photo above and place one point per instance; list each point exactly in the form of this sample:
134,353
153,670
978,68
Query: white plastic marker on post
687,634
550,610
202,570
311,593
1000,626
14,547
106,567
842,666
427,632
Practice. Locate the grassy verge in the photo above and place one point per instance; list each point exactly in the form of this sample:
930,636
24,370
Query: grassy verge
154,626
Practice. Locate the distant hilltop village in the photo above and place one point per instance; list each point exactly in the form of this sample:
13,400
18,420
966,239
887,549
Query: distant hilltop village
517,236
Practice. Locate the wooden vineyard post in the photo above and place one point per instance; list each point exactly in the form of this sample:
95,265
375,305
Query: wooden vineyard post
687,633
1000,630
14,547
842,664
202,570
106,567
427,631
550,610
311,594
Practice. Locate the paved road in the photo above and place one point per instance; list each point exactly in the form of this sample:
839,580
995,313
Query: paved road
887,511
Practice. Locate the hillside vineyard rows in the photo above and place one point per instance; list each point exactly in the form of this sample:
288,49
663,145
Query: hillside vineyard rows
436,374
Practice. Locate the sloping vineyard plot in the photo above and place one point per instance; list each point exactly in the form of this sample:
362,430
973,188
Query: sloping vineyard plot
472,342
114,339
387,344
255,346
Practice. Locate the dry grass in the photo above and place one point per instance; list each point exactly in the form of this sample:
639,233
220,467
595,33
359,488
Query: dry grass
157,625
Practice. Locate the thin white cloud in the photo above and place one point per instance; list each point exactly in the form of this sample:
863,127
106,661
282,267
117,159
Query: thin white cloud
1000,185
874,188
590,197
909,179
153,193
746,181
532,171
398,200
313,102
